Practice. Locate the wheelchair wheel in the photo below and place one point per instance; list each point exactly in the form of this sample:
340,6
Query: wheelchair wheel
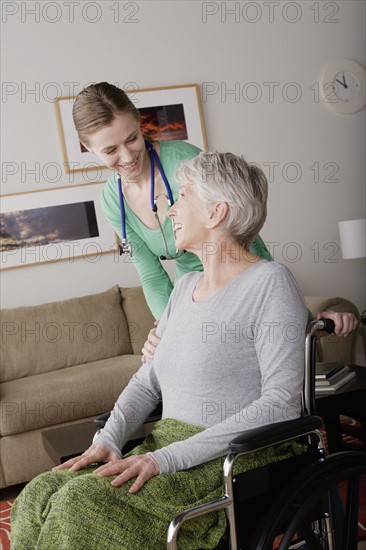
302,516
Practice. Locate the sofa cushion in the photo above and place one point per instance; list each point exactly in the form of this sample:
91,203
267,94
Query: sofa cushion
48,337
64,395
139,317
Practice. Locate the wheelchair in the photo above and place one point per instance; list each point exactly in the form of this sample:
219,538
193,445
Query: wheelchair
292,504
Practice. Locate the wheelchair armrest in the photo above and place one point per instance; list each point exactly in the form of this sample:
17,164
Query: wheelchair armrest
154,416
275,433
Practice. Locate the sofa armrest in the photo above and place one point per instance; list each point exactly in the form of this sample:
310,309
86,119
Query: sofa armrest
333,347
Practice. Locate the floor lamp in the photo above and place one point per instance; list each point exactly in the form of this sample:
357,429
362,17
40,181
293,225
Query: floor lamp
353,245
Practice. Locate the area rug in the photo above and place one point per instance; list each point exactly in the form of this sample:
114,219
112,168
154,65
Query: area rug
5,508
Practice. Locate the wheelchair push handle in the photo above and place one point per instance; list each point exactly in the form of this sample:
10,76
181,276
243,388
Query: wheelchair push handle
328,325
324,325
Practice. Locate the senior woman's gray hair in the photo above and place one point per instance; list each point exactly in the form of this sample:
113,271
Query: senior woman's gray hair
224,177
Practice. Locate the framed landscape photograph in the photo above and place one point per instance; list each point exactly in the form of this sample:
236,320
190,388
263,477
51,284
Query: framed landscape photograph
52,225
166,114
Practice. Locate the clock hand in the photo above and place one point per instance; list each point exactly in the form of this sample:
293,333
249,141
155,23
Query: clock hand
343,84
344,81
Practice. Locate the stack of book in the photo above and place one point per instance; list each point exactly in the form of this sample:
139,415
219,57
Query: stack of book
329,377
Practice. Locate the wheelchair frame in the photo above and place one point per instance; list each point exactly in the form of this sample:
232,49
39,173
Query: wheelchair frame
345,465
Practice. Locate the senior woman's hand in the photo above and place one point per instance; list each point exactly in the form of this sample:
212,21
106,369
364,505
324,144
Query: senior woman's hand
95,453
152,341
142,467
344,322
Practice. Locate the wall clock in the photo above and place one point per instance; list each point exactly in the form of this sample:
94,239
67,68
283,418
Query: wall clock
343,86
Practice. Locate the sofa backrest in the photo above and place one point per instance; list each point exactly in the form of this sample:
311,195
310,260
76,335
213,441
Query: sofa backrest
139,317
44,338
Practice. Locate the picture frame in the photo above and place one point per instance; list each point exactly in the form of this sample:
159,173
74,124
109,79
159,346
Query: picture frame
173,112
50,225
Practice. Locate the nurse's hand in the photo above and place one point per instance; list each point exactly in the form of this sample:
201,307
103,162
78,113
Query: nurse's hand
95,453
152,341
344,322
142,467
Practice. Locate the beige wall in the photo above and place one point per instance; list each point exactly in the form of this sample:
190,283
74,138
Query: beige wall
274,49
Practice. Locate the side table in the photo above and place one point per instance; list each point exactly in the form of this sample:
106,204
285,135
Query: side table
64,442
350,398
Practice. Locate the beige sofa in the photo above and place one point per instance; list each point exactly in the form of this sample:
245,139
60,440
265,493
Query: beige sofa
64,362
67,362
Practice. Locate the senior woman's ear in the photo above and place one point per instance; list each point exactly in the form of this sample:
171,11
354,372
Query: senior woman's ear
218,213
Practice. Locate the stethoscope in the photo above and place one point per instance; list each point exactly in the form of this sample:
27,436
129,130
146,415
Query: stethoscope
125,246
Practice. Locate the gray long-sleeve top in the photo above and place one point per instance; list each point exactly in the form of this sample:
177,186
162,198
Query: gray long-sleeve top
231,363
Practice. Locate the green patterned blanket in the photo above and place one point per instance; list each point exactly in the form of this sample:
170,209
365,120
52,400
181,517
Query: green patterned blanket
62,510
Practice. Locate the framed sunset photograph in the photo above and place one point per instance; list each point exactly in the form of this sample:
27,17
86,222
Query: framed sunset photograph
164,122
171,113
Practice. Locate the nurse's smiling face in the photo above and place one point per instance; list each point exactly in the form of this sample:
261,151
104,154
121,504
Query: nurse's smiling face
120,146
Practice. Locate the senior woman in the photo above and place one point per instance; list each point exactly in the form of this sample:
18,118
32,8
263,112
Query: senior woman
230,359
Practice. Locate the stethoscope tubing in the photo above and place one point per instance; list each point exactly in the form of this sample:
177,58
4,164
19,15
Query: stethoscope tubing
122,208
153,158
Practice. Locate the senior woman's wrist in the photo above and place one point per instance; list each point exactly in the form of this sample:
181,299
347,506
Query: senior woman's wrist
161,463
151,455
101,440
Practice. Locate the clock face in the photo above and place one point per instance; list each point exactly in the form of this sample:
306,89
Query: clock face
343,86
346,86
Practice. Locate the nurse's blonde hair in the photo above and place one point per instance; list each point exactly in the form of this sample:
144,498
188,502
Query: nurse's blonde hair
97,106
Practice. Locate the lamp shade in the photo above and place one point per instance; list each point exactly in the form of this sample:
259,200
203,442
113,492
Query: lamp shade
353,238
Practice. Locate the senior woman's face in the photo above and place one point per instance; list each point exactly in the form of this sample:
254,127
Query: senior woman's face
190,219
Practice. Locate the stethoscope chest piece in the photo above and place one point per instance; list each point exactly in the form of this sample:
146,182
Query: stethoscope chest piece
125,248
